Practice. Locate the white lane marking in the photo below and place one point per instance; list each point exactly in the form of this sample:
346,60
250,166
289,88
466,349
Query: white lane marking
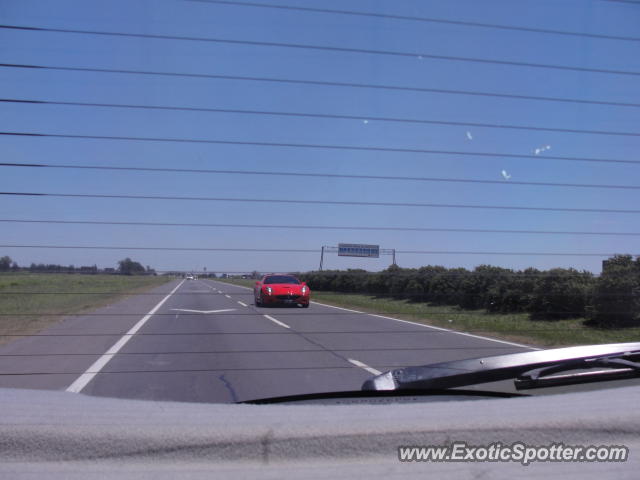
87,376
203,311
239,286
339,308
209,286
364,366
228,296
277,321
423,325
432,327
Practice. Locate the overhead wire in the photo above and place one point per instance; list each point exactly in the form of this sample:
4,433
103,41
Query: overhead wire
313,146
321,83
332,49
414,18
327,48
317,175
368,118
319,202
300,250
315,227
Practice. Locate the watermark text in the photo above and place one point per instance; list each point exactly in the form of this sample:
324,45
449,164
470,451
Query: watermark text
515,452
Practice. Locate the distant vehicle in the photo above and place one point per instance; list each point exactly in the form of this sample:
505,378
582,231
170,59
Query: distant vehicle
189,277
281,289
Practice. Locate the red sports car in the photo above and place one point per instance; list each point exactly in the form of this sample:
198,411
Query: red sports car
281,289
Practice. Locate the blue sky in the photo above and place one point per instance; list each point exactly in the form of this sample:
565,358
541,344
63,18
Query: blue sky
234,22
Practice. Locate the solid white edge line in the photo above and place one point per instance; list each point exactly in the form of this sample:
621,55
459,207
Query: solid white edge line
87,376
242,303
364,366
432,327
422,325
276,321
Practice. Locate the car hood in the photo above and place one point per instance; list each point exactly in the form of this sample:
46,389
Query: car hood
50,433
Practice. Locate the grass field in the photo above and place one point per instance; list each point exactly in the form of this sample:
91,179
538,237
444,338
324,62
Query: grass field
31,302
514,327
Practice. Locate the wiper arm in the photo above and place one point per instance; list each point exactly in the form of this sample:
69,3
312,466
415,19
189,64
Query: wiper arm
527,369
542,377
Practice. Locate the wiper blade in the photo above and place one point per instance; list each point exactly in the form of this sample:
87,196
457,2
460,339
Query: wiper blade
527,369
544,377
371,396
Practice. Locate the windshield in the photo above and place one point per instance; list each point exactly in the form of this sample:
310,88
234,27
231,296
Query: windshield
450,180
281,279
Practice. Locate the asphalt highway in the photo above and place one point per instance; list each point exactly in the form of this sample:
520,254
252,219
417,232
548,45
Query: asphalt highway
206,341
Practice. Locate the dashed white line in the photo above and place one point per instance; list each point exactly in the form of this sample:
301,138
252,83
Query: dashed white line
240,286
277,321
87,376
228,296
242,303
423,325
364,366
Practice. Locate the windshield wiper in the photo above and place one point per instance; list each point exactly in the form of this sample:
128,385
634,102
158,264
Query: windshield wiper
528,369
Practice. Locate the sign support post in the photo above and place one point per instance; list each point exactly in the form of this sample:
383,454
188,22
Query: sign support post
356,250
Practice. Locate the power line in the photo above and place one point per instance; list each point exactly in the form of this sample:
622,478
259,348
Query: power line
26,271
323,116
192,370
315,227
321,293
286,332
321,83
320,202
317,175
317,293
215,352
428,19
298,250
327,48
469,273
178,273
258,313
314,146
631,2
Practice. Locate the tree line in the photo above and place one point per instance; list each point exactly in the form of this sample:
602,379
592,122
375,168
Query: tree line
609,300
125,266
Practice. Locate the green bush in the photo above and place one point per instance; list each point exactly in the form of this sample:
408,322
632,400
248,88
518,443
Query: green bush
616,299
610,300
561,293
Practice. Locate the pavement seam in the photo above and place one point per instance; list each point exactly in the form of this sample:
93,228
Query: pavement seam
78,385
